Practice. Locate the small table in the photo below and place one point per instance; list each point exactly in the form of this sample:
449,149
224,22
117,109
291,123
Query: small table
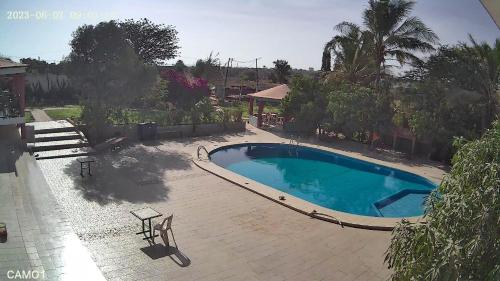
146,214
85,164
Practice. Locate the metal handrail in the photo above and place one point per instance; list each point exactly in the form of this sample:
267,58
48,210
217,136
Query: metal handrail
315,214
295,143
200,147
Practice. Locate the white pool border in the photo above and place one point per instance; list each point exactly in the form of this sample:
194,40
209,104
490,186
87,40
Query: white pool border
300,205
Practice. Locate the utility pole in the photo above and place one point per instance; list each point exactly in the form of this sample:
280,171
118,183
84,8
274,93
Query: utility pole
225,80
256,76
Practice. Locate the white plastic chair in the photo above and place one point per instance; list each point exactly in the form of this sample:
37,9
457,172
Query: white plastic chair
163,228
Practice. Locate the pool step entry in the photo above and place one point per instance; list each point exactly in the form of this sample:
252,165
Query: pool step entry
390,205
58,139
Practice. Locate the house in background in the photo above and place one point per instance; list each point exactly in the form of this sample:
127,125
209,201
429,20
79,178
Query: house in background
12,95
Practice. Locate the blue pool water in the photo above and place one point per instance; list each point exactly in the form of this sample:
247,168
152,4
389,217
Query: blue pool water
327,179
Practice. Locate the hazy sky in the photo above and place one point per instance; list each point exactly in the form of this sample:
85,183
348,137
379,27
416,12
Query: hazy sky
295,30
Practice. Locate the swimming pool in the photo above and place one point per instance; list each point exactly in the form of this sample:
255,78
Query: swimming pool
328,179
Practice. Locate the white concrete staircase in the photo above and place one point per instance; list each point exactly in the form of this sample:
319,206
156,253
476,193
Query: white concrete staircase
58,139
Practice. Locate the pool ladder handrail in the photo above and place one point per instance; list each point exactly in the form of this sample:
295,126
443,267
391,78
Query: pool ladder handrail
294,142
317,215
200,147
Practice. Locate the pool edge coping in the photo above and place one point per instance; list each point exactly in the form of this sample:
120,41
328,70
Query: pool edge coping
302,206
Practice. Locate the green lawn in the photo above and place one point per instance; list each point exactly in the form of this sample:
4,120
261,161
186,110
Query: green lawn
132,116
28,117
243,106
72,112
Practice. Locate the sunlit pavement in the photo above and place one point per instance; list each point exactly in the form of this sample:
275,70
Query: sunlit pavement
41,244
223,232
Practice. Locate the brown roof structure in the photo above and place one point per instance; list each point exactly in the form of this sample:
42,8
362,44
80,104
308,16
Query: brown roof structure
4,63
276,93
9,67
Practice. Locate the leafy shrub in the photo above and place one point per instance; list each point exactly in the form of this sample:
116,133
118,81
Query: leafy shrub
461,237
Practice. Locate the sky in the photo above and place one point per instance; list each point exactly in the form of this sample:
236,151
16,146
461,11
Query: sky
294,30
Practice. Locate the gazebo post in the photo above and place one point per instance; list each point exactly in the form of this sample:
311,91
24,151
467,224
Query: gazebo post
261,110
250,106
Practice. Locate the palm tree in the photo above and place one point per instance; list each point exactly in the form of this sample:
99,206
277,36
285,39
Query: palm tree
484,62
351,50
394,33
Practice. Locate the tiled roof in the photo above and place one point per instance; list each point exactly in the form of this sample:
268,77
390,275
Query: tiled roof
276,93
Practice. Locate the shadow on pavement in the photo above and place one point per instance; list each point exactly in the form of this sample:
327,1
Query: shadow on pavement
134,175
157,251
11,148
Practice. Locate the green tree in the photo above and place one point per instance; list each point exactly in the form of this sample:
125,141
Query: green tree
461,237
395,33
104,66
208,69
282,70
437,112
389,31
356,111
305,105
179,66
153,43
474,68
351,51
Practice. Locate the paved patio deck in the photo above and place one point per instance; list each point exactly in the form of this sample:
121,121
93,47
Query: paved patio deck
223,231
40,236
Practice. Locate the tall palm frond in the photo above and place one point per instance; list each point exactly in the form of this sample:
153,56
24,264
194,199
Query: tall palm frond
395,34
349,51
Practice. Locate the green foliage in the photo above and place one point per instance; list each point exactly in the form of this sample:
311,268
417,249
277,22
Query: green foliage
41,66
28,117
305,105
389,34
282,70
394,33
155,99
153,43
179,66
208,69
250,75
461,237
229,114
356,110
474,68
352,53
451,95
203,112
109,73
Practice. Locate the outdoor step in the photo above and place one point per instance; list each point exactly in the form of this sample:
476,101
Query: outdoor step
60,144
63,153
52,126
57,136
